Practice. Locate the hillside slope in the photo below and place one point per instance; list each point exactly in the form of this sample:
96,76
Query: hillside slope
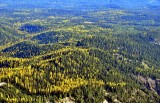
50,55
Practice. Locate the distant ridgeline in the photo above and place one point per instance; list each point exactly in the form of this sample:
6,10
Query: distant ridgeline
77,3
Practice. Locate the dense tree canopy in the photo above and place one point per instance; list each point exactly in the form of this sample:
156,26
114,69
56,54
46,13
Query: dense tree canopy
90,56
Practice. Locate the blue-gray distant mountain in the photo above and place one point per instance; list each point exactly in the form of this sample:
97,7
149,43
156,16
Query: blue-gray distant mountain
76,3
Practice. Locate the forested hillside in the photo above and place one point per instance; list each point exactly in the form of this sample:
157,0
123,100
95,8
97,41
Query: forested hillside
82,56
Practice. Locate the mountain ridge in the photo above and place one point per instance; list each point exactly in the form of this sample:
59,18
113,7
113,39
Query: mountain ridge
77,3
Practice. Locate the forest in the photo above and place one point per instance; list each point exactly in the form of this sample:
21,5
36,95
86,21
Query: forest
85,56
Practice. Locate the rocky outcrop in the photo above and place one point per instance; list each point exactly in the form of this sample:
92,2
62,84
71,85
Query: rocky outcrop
2,84
158,86
105,101
153,85
67,100
141,79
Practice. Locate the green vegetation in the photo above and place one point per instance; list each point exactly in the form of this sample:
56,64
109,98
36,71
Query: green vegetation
90,56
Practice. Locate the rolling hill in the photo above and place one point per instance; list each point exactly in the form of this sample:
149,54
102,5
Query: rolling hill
63,52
